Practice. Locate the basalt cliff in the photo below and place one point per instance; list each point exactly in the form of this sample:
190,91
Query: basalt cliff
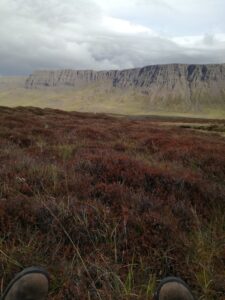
174,83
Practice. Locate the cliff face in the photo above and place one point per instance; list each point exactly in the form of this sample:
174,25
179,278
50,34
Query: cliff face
67,78
176,81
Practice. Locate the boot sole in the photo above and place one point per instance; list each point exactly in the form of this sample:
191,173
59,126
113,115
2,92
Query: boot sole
171,279
30,270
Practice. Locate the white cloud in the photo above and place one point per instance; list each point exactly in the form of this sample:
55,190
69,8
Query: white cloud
123,26
201,42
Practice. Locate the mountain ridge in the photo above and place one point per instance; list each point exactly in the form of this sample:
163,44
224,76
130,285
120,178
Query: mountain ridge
170,88
71,77
187,86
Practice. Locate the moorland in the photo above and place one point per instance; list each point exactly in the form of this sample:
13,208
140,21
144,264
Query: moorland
109,204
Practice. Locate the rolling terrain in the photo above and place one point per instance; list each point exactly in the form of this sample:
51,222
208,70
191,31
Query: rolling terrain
111,205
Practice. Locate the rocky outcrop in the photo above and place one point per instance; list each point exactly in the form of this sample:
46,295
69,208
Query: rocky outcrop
174,81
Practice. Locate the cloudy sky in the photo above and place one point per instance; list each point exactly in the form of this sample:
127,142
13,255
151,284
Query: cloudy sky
109,34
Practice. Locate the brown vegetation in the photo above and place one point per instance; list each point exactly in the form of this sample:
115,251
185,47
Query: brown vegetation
110,205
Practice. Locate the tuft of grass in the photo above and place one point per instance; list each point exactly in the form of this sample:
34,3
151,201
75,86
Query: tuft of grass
65,151
206,252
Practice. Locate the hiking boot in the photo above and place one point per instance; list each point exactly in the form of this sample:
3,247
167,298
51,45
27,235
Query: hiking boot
30,284
173,288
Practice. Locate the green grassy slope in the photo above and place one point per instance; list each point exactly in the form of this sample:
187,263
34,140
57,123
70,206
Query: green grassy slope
100,98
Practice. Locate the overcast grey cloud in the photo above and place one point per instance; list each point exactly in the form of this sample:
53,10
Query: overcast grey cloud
99,34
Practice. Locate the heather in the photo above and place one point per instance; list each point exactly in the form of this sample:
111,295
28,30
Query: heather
109,205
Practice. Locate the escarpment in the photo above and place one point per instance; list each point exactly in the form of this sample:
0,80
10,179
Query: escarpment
185,83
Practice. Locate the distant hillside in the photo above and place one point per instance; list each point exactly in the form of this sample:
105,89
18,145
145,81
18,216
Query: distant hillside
193,90
7,82
184,85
